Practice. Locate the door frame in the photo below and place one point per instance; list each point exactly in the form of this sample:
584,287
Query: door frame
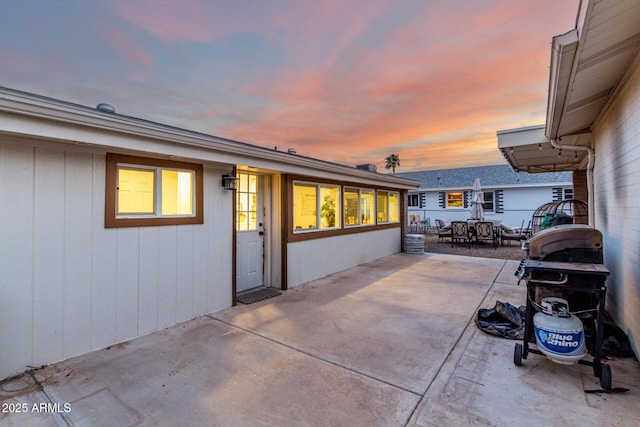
270,187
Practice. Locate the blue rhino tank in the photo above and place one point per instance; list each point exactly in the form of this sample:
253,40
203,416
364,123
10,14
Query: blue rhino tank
559,334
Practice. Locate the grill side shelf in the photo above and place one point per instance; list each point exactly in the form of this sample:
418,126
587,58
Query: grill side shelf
563,267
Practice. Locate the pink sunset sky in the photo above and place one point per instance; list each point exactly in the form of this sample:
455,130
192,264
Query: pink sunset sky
348,81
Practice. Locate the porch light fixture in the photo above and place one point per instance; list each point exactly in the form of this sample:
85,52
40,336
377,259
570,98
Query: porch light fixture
229,181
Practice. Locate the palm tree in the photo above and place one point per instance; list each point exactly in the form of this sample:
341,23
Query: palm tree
393,161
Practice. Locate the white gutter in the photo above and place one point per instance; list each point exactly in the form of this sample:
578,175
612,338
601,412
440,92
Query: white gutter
590,165
562,45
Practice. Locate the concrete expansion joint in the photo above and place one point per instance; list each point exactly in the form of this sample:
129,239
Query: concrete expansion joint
315,356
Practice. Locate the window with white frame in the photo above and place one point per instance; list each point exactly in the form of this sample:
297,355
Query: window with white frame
247,202
359,206
455,200
315,206
144,192
488,203
388,207
367,206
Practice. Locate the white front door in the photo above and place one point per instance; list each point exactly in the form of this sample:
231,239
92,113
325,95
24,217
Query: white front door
249,231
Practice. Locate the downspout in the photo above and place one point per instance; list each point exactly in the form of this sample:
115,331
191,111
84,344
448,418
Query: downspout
590,165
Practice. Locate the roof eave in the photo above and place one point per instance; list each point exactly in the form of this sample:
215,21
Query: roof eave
563,55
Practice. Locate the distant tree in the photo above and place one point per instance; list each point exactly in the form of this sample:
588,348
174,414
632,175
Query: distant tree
392,162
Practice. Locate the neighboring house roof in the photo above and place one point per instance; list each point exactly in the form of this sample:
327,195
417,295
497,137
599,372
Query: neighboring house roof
87,123
490,176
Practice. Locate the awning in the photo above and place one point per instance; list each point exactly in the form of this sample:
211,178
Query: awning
527,149
587,65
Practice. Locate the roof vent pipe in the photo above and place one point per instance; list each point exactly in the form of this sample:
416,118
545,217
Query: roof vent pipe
291,151
107,108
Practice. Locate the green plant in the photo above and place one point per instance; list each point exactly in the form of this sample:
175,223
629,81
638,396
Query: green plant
328,210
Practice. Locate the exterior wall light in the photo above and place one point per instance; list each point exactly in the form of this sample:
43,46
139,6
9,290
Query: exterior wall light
229,181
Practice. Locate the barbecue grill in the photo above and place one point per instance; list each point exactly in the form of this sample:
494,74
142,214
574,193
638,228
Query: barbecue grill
566,262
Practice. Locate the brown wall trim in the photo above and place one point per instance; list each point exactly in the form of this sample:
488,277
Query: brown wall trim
284,180
110,219
404,202
311,235
234,246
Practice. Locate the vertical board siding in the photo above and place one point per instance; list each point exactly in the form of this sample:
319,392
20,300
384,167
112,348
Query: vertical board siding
77,259
48,256
16,249
313,259
167,276
184,273
200,262
127,279
69,285
104,268
617,203
220,238
148,291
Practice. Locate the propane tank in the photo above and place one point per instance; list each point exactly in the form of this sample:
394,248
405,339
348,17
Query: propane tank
559,334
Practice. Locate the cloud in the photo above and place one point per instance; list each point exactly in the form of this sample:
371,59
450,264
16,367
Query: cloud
124,44
410,89
349,82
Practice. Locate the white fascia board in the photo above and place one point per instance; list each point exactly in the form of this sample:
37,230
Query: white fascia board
563,53
528,135
48,119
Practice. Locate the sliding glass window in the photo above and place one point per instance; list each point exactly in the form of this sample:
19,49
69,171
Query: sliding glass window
359,206
388,207
315,206
147,192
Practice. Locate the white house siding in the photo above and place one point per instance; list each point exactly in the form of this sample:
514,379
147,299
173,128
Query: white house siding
617,202
519,204
312,259
68,285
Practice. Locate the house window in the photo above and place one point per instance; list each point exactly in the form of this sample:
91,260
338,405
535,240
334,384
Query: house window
414,200
145,192
351,206
247,202
455,199
488,203
359,207
388,206
367,207
315,206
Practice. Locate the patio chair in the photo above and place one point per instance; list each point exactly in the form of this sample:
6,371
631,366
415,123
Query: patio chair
485,232
426,224
460,232
512,234
444,232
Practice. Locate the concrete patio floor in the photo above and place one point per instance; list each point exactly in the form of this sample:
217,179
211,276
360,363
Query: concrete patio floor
388,343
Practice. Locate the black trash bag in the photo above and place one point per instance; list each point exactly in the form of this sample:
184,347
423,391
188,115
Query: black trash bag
615,342
503,320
